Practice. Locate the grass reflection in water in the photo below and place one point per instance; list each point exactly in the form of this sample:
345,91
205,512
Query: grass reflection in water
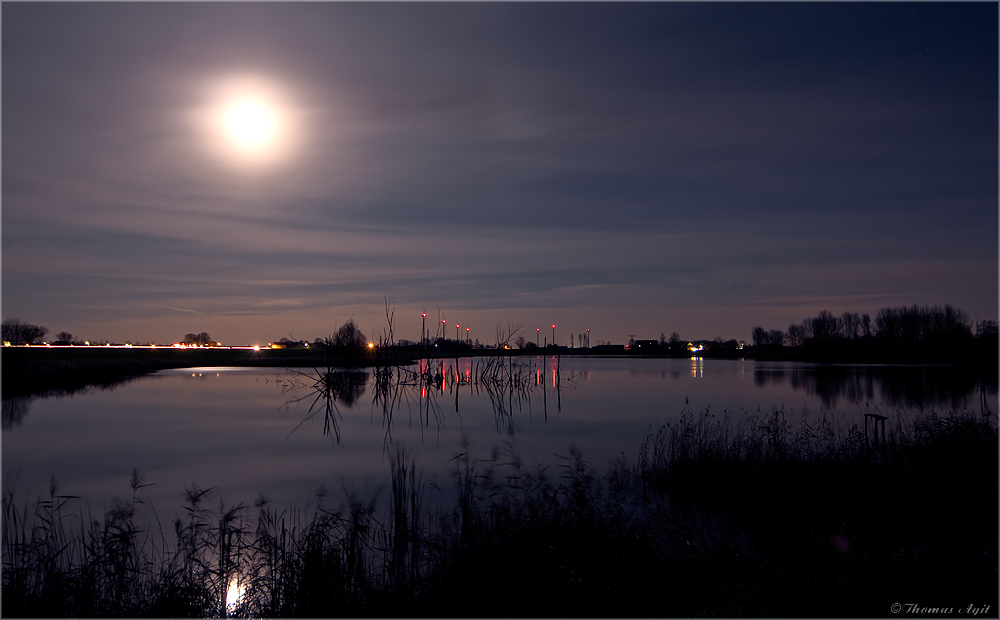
508,382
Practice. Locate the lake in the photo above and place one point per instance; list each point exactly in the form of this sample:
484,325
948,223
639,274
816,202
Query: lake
252,431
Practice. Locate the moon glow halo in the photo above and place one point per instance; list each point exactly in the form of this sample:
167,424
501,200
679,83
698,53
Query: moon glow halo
249,122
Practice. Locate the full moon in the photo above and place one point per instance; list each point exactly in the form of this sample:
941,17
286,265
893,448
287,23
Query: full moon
250,124
248,121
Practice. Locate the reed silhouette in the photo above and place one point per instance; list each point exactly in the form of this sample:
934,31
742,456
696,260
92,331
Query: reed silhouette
737,513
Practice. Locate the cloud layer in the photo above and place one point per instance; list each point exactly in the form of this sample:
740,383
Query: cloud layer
631,168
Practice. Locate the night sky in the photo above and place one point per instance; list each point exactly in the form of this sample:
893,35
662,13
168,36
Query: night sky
263,170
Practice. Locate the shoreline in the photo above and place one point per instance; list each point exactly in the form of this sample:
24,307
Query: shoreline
38,371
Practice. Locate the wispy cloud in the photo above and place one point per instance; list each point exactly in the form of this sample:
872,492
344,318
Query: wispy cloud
593,160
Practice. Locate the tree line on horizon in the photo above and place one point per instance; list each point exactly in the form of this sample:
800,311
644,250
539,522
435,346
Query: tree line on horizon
903,330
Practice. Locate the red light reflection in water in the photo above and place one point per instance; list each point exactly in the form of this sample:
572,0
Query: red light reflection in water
554,369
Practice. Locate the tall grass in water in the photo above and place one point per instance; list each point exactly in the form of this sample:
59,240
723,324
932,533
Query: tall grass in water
353,560
60,561
736,514
761,465
820,507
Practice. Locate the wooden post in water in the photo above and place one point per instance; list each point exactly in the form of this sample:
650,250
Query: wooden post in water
876,419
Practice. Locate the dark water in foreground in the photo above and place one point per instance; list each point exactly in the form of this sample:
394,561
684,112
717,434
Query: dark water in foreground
250,431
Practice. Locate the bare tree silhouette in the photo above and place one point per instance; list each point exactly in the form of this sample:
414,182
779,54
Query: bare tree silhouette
15,331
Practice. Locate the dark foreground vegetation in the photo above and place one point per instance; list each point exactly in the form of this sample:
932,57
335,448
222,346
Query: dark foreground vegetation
730,515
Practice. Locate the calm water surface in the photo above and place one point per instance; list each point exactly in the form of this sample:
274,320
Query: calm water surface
248,432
